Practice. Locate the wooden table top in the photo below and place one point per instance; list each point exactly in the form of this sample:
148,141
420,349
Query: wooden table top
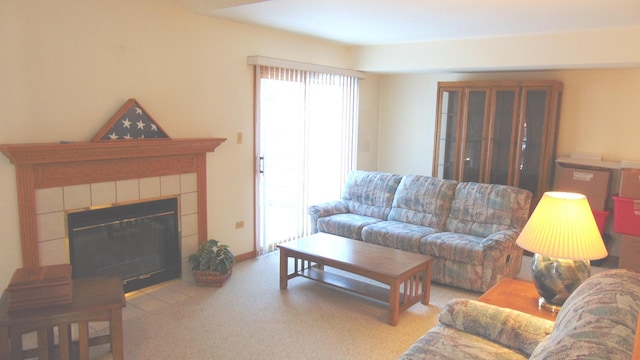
87,295
377,258
517,295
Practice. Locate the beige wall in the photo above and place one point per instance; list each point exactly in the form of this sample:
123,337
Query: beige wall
67,66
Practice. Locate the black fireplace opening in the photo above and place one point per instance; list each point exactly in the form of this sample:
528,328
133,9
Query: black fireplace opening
138,242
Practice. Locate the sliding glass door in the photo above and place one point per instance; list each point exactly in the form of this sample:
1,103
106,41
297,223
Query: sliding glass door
306,131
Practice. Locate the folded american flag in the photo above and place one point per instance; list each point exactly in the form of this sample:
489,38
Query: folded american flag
134,124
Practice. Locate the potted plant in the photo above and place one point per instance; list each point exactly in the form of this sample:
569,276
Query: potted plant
212,264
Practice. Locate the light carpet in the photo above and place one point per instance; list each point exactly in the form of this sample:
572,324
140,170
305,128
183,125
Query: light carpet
251,318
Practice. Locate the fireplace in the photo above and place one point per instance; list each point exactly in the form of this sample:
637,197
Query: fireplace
54,181
105,173
138,242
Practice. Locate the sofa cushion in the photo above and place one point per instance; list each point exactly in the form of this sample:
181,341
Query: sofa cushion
423,200
348,225
447,343
469,329
371,193
462,248
482,209
511,328
395,234
598,320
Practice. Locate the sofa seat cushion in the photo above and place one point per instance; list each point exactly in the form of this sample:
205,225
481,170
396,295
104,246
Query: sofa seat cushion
443,342
397,235
457,274
466,249
423,200
347,225
598,320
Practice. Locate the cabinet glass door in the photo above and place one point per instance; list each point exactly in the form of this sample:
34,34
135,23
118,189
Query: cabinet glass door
473,144
532,139
501,143
447,136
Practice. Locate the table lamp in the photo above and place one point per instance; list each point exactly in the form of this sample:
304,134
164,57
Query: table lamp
563,235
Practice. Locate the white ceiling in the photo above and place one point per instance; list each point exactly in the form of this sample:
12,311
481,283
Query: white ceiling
378,22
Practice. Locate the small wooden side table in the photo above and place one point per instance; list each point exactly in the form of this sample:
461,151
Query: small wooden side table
93,299
517,295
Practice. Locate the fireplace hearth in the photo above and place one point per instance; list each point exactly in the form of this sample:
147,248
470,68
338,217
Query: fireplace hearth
138,242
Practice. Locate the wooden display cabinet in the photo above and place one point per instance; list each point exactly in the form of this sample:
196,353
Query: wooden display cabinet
500,132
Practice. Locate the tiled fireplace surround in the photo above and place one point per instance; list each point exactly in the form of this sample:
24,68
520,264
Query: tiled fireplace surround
53,179
52,205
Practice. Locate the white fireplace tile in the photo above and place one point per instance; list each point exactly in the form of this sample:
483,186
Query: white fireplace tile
165,294
77,196
189,224
149,187
53,252
189,203
189,245
170,185
49,200
188,183
127,190
51,226
131,311
103,193
146,302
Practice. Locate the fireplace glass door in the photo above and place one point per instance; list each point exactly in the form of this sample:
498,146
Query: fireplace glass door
137,242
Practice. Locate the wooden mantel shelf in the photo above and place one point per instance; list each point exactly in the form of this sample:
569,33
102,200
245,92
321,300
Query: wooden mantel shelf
63,164
22,154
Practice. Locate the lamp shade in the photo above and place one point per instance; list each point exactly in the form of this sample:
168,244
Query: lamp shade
562,226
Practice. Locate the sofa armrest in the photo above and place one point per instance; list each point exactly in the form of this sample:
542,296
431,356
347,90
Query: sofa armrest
500,240
510,328
326,209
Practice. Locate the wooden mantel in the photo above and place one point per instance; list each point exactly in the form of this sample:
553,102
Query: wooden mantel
20,154
63,164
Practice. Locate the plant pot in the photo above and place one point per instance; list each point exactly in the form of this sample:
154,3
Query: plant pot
211,278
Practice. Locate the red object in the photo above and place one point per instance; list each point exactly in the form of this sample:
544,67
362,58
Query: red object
626,216
601,219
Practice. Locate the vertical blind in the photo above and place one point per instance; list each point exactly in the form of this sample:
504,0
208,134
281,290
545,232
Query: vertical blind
306,125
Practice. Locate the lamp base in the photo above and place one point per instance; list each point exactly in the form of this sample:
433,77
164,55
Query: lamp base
555,279
553,308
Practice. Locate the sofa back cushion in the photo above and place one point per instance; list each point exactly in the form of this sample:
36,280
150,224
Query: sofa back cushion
423,200
370,193
598,320
483,209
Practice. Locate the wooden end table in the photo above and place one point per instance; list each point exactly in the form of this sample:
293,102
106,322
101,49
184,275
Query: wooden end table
407,274
517,295
93,299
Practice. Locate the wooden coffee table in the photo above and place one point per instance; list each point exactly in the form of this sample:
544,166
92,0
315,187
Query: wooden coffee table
408,275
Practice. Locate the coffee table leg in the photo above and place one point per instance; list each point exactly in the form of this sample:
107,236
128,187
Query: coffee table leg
426,284
83,339
4,342
394,303
64,337
284,269
117,345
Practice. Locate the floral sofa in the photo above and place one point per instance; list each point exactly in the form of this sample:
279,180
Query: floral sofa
468,228
598,321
